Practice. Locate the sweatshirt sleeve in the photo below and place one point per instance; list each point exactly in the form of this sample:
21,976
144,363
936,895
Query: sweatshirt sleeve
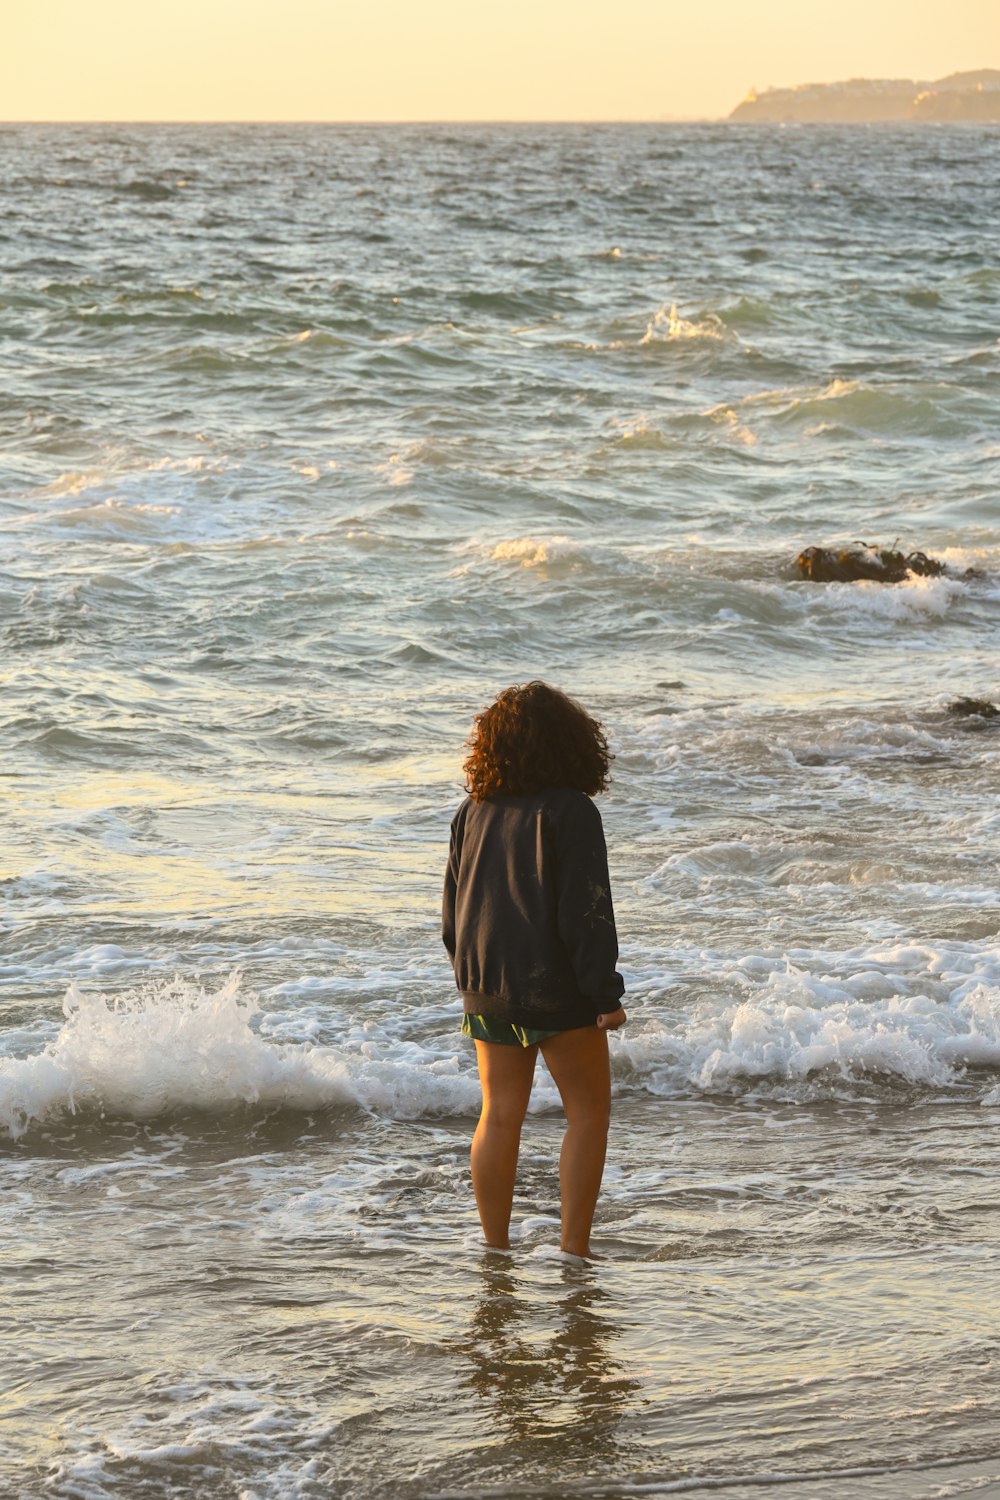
585,915
450,892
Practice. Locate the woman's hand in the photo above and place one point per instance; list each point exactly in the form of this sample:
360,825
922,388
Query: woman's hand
611,1020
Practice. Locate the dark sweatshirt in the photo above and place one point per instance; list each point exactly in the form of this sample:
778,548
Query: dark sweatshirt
527,914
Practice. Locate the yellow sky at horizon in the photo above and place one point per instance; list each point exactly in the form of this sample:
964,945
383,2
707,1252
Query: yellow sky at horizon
451,60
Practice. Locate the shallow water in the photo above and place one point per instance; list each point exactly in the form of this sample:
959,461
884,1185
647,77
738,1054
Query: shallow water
312,439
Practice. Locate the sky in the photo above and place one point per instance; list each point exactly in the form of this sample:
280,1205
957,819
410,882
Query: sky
461,59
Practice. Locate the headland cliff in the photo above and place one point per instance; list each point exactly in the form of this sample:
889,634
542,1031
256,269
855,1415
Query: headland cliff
972,97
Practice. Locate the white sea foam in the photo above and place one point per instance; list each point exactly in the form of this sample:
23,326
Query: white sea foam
173,1046
530,552
733,428
721,738
916,599
210,1418
667,326
787,1041
559,553
395,470
122,470
912,1014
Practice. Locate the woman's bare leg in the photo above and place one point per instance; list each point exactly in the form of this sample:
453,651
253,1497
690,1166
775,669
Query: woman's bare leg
578,1061
506,1074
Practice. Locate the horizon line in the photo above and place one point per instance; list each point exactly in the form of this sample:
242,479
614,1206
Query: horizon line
381,124
464,120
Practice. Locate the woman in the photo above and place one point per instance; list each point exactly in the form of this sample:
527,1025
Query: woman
529,925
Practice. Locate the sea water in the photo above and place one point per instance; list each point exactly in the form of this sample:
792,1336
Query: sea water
313,439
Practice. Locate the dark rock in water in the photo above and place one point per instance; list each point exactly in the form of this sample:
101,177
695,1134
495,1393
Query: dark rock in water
982,707
879,564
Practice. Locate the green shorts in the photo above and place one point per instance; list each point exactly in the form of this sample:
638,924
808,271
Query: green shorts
489,1029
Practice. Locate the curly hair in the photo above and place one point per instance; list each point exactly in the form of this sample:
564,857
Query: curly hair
533,738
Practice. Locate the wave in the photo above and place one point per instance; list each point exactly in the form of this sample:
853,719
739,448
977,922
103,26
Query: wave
667,326
81,481
915,600
920,409
107,517
682,739
908,1016
532,552
552,556
166,1048
752,586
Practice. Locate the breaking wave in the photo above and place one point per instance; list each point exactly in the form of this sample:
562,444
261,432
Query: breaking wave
903,1017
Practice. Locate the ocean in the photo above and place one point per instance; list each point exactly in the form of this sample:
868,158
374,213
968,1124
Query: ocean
313,438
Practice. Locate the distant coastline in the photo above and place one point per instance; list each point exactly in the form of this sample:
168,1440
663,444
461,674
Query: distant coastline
973,97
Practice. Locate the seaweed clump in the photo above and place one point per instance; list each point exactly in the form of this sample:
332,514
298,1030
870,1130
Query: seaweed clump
861,562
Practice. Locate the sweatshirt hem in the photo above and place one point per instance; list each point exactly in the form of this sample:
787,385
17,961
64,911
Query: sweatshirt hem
539,1018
